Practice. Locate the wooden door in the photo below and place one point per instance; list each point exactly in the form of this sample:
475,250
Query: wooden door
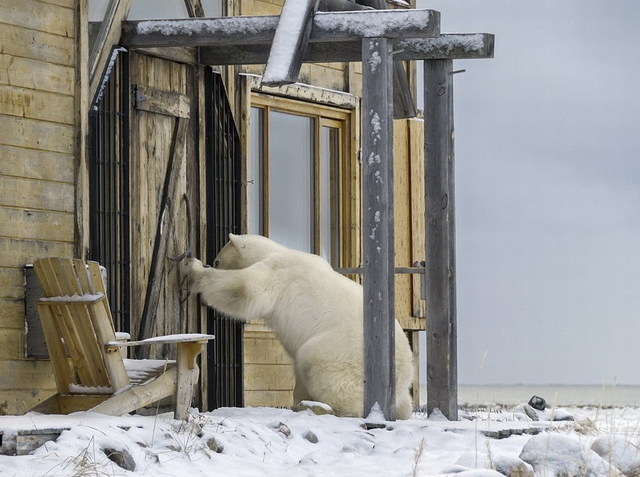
164,191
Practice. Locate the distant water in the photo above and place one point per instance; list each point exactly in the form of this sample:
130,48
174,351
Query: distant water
555,395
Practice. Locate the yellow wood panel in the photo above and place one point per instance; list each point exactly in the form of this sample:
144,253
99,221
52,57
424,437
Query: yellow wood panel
402,221
261,7
408,217
16,252
11,285
416,149
329,75
268,398
12,341
34,164
33,134
36,224
36,45
34,74
264,351
62,3
12,313
31,194
57,108
266,377
35,15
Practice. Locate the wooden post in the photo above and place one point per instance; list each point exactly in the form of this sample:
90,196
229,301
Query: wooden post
442,369
378,266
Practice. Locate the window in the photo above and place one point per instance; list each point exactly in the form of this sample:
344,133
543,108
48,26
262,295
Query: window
295,158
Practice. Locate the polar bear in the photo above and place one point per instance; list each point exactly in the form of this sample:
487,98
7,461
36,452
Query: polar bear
315,313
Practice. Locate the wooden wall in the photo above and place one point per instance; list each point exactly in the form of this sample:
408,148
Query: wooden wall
37,192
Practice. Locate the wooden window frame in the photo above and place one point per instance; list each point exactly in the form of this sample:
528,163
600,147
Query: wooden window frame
322,116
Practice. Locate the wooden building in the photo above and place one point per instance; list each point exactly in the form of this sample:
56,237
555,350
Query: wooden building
132,155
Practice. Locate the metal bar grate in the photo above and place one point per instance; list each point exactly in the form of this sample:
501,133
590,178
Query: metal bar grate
109,188
223,217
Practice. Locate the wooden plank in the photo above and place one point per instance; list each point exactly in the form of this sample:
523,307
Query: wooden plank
35,74
416,158
327,27
378,238
34,134
33,15
11,287
21,102
264,351
139,396
162,102
26,375
103,325
164,222
268,398
16,252
32,194
36,224
62,372
442,381
13,343
36,45
454,46
268,377
289,42
33,164
402,221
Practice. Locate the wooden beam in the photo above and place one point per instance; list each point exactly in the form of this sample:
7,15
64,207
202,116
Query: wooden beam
440,273
378,240
164,223
453,46
108,37
327,27
290,42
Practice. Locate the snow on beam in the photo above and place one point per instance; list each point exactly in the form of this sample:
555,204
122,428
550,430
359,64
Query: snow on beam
327,26
290,42
448,46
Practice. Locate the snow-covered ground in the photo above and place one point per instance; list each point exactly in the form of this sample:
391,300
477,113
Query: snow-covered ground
277,442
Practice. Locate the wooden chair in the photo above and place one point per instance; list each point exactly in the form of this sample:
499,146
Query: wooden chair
89,369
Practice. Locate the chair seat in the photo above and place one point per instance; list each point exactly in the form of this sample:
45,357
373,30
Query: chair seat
141,371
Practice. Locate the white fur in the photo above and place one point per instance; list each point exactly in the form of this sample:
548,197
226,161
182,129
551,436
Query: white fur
315,312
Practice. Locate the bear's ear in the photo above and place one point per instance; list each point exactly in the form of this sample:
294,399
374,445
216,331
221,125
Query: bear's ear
237,241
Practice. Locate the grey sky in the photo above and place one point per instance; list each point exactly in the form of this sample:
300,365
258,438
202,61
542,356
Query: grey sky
548,191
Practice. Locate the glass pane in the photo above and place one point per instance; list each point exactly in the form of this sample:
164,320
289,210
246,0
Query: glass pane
97,10
329,151
290,180
157,9
212,8
254,171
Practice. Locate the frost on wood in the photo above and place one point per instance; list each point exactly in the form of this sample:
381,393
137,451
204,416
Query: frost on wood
289,39
192,26
377,23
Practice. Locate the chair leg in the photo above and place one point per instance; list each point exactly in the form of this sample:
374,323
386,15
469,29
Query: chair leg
187,376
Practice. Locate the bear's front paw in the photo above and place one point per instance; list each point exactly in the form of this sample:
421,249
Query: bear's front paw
188,266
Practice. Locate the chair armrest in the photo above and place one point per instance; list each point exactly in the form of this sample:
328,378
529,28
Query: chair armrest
184,338
86,299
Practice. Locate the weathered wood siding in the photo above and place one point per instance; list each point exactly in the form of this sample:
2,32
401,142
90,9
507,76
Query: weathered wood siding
37,191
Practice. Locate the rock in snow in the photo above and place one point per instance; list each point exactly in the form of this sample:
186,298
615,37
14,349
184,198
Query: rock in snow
620,452
563,456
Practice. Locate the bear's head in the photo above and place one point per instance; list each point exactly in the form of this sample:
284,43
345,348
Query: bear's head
242,251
